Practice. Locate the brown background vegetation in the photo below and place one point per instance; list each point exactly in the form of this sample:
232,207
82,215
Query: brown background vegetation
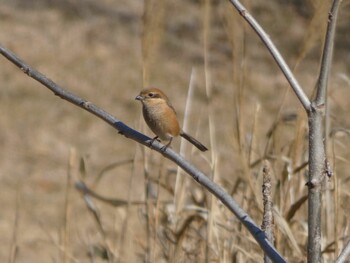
106,52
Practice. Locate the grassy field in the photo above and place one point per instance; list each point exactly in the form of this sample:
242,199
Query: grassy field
241,107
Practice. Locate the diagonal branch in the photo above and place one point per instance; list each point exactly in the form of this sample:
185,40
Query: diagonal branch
130,133
345,254
275,54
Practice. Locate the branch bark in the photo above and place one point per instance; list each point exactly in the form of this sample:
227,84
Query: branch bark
318,168
316,110
316,175
130,133
299,92
327,53
344,255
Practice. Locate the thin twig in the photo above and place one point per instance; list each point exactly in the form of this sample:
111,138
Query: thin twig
275,54
344,255
81,187
327,54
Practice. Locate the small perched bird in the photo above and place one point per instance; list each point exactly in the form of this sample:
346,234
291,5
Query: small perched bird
160,117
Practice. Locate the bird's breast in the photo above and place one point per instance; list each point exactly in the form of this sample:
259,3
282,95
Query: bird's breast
162,120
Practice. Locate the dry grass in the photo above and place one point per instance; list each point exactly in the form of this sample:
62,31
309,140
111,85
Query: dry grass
239,105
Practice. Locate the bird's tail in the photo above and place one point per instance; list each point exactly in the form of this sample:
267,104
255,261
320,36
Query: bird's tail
193,141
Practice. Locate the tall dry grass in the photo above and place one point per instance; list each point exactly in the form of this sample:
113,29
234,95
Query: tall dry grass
229,95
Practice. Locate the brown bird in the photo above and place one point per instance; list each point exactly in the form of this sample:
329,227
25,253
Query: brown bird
160,117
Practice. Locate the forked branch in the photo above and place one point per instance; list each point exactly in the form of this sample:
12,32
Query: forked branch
315,110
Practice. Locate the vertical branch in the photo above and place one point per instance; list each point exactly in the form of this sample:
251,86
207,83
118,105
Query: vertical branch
315,110
327,53
317,154
316,175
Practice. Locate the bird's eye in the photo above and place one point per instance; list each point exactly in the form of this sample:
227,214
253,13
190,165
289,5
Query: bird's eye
151,94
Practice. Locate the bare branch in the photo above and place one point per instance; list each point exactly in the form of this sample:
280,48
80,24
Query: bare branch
315,110
130,133
317,159
317,154
275,54
327,54
344,255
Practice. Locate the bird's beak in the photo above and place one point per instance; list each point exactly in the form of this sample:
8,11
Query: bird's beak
139,97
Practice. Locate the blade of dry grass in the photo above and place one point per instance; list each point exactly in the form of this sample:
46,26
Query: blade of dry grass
181,184
285,228
295,207
14,243
336,200
111,167
315,29
57,243
72,164
153,17
157,223
212,234
253,152
92,208
125,239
